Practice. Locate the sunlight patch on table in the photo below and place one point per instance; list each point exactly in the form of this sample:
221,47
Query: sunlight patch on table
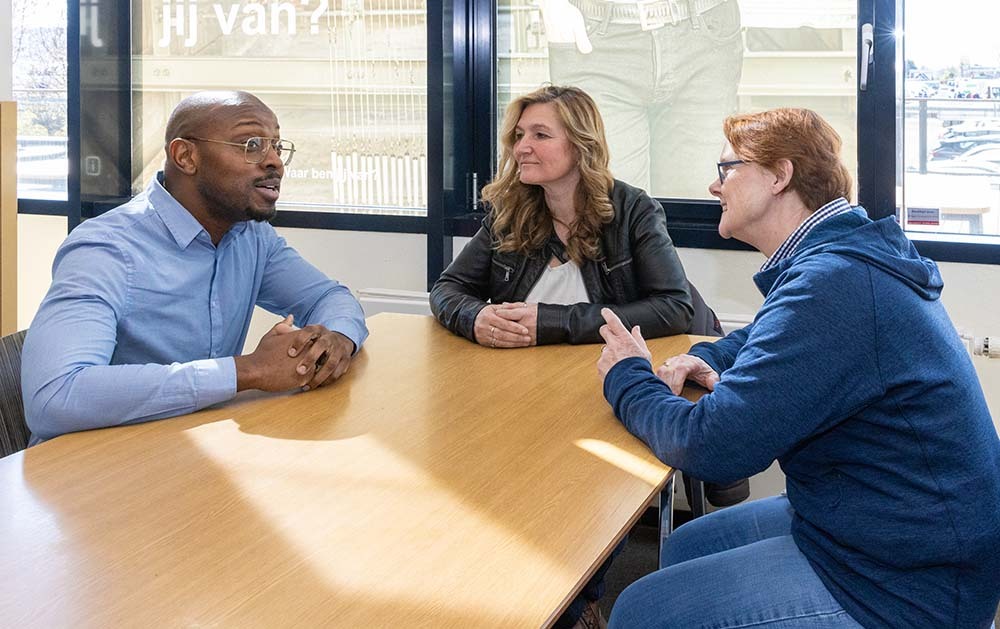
369,522
651,472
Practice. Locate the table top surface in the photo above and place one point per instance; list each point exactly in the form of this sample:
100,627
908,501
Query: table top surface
438,484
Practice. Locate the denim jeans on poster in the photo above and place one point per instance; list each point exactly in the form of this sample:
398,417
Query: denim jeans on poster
737,567
663,95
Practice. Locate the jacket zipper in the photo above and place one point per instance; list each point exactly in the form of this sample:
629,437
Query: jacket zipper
608,271
507,270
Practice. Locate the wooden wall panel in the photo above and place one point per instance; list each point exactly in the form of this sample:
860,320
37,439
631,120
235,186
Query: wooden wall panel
8,217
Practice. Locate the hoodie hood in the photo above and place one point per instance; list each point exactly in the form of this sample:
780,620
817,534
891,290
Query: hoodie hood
881,244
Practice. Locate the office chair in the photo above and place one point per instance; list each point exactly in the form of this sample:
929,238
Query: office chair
14,431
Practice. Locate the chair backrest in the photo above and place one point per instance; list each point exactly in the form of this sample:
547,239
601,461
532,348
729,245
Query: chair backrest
14,433
704,322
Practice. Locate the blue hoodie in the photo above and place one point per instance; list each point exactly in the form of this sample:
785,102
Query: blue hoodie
853,378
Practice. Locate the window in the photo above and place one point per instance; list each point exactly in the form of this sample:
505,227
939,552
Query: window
39,72
948,184
393,104
665,74
348,79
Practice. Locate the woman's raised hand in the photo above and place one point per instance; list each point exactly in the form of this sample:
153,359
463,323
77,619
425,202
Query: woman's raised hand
620,343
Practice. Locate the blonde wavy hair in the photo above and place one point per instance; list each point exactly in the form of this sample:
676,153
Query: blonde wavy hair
521,219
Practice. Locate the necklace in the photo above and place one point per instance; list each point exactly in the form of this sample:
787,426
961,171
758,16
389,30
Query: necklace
568,226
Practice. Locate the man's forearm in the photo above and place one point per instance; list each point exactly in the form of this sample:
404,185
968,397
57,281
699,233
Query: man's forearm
100,396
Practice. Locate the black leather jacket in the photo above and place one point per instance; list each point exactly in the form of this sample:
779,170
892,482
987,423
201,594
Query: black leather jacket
639,276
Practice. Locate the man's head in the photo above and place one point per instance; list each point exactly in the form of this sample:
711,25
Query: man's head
209,165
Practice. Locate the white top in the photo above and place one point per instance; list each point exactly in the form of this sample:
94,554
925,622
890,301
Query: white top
561,285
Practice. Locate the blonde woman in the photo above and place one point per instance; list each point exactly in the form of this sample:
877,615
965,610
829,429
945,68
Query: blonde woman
562,239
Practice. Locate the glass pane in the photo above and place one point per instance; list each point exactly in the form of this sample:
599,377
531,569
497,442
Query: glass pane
347,79
949,148
39,69
666,73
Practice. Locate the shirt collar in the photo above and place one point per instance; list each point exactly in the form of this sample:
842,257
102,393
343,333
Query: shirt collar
787,248
181,224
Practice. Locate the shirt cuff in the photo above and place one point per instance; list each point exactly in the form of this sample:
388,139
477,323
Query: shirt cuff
355,331
214,381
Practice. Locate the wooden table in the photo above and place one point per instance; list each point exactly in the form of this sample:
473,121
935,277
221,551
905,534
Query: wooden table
439,484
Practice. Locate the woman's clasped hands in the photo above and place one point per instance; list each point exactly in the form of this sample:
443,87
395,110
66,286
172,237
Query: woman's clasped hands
507,325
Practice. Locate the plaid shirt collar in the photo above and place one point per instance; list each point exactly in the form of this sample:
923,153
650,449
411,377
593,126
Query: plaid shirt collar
787,248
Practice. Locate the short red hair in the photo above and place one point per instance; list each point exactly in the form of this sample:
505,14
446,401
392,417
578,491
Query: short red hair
800,136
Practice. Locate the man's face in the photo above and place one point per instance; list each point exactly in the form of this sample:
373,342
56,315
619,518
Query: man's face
232,189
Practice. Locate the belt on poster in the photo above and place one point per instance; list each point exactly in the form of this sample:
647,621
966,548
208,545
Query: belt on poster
648,14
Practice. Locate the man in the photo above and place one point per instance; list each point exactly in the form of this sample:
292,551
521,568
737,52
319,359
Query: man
150,303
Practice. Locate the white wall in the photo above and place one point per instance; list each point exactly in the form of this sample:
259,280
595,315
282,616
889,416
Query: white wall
358,260
38,237
6,76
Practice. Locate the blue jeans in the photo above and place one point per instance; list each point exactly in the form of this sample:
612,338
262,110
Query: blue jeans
663,95
737,567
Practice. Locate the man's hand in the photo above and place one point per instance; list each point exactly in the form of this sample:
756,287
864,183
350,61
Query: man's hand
287,358
525,314
620,343
492,330
564,24
675,371
329,355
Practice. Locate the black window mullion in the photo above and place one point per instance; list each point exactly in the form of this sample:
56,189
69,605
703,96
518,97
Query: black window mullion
877,124
73,130
105,106
439,33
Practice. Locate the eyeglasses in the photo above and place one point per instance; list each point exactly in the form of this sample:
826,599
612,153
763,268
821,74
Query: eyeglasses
255,149
725,167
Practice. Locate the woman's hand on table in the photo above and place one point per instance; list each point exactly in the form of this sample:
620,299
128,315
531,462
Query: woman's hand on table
496,331
675,371
525,314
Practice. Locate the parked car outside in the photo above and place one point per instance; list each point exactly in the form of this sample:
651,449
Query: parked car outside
954,146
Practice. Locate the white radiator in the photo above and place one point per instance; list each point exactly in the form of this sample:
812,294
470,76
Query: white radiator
732,322
376,300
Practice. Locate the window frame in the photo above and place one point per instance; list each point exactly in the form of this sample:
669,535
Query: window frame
461,100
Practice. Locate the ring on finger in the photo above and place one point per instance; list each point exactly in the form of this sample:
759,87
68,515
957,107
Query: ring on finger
493,342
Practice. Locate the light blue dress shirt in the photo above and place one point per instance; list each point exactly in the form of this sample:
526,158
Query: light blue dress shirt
145,314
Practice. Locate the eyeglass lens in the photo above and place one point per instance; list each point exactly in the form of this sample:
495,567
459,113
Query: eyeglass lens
256,149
